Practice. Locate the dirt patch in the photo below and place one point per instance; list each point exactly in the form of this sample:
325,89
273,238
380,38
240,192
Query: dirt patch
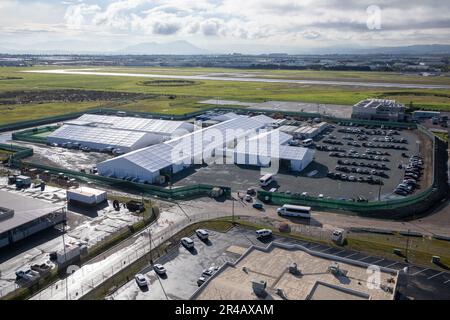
46,96
168,83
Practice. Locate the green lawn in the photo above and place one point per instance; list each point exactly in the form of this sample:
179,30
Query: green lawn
188,96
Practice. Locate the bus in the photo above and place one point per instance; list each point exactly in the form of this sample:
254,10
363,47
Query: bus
266,180
289,210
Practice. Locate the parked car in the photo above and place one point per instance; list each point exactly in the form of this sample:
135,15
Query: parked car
201,281
141,280
159,269
258,206
202,234
263,233
28,275
248,198
187,242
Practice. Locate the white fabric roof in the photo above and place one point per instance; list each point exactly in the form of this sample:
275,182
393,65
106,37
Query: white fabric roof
132,123
98,135
162,155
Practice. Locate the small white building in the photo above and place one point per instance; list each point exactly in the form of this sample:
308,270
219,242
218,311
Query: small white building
86,196
263,149
379,109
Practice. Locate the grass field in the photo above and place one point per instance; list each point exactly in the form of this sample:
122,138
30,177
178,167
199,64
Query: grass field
188,96
395,77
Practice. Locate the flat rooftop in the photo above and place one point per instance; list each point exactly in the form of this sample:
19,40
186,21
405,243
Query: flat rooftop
315,282
87,191
25,209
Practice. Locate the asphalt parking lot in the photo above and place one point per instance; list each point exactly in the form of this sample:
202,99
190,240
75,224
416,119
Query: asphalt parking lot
312,179
184,267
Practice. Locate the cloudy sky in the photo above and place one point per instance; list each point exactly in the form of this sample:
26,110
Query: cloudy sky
224,25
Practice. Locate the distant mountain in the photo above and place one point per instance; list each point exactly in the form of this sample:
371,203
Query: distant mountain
175,48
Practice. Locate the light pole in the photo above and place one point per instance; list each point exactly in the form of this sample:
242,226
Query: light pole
407,248
232,208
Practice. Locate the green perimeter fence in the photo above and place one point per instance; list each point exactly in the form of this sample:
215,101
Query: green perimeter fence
178,193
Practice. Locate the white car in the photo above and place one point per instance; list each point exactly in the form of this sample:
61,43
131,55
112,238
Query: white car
202,234
187,242
159,269
141,280
209,272
201,281
263,233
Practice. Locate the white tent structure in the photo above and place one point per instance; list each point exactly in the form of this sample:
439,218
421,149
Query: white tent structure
101,138
127,133
177,154
263,149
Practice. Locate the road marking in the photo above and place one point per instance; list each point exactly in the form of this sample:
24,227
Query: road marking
364,258
351,255
446,281
378,261
414,274
392,264
326,249
437,274
339,252
317,245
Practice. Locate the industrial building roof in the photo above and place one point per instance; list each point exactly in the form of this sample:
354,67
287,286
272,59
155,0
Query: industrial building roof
132,123
25,209
267,143
162,155
95,135
378,103
314,280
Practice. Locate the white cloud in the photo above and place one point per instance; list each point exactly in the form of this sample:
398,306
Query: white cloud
290,22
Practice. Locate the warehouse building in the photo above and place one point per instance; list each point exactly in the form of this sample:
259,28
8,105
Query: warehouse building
101,138
148,164
379,109
264,148
21,217
292,272
99,132
309,132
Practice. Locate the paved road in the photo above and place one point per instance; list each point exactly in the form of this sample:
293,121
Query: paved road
214,78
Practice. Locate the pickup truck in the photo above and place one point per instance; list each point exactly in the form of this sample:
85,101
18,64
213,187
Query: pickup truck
28,275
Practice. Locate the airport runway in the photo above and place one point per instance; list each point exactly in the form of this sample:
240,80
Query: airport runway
218,78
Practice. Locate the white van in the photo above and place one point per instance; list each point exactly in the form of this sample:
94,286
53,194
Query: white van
266,180
307,142
263,233
289,210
